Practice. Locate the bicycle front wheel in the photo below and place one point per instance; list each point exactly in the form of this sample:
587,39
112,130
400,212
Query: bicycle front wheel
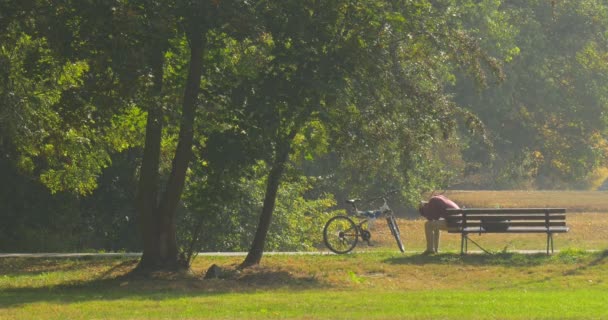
392,224
340,234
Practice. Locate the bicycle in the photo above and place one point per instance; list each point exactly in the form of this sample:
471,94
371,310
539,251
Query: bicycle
341,234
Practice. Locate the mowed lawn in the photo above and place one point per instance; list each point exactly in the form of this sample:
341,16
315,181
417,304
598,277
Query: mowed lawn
373,283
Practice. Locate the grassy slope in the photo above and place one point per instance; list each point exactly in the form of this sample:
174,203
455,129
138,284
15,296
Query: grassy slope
380,284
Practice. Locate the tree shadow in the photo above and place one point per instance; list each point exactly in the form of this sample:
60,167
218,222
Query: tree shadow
506,259
598,258
570,263
160,286
36,266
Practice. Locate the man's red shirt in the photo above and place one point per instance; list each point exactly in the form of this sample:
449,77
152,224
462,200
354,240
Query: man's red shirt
436,207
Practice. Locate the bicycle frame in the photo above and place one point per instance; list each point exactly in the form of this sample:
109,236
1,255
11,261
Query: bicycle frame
345,232
371,214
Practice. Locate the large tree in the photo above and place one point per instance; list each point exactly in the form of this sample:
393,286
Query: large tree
93,62
169,27
172,67
376,64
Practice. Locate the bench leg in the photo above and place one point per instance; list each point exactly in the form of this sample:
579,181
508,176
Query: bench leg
464,241
549,243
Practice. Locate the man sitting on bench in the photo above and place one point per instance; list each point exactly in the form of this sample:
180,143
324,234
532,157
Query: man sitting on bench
435,212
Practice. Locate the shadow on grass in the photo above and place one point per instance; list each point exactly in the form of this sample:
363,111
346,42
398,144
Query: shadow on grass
598,258
581,260
496,259
36,266
506,259
161,286
566,263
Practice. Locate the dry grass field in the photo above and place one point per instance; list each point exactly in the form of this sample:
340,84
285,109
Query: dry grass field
587,217
574,201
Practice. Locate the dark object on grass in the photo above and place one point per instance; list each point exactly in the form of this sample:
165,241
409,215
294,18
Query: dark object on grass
214,272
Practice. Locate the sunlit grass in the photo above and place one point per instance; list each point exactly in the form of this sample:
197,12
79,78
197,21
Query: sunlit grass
349,304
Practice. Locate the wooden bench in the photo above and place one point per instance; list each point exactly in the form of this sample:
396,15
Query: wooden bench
514,220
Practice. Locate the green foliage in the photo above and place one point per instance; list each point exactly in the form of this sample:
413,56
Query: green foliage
222,214
37,221
395,131
41,131
127,129
298,219
547,119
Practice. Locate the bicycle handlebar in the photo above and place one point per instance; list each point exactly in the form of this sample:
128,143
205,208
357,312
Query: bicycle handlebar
384,196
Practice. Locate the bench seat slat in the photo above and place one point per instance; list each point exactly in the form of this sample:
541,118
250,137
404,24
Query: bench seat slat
507,210
495,214
515,224
505,217
513,230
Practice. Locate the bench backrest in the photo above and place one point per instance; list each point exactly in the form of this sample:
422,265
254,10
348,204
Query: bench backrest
518,217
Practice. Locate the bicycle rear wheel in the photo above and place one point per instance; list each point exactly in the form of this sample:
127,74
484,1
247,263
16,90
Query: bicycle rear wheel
392,224
340,234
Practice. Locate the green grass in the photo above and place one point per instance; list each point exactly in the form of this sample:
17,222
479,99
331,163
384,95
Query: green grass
317,304
375,285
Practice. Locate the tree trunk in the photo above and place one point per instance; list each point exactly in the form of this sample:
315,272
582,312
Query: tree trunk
272,186
183,154
159,227
256,251
147,195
